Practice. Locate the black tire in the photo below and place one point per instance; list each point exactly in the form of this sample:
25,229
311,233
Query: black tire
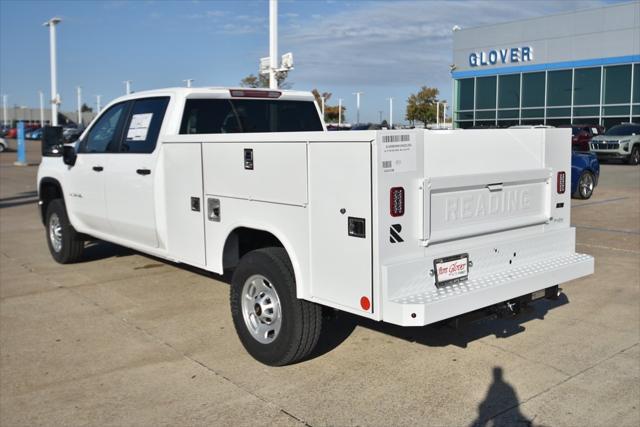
301,321
634,158
71,244
2,148
586,185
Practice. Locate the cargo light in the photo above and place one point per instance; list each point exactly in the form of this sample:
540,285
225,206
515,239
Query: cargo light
396,201
241,93
562,182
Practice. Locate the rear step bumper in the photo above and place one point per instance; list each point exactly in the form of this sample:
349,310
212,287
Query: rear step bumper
453,300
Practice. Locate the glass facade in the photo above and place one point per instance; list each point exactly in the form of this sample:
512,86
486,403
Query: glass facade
605,95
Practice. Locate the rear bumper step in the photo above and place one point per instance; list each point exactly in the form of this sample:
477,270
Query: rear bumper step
443,303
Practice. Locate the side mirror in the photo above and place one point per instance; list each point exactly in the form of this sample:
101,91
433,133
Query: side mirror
69,155
52,141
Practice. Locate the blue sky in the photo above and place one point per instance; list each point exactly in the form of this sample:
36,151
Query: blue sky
382,48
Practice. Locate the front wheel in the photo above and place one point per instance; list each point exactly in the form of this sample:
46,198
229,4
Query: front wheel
64,243
634,158
273,325
586,184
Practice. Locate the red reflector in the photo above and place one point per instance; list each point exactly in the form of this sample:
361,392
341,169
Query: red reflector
241,93
562,182
396,201
365,303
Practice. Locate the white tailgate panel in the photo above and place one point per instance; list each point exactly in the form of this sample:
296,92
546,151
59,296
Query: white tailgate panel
183,180
340,178
279,171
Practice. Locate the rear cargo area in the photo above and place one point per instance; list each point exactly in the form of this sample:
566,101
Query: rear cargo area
489,203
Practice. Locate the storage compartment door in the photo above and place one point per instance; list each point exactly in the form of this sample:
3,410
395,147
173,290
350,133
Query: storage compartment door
340,193
184,203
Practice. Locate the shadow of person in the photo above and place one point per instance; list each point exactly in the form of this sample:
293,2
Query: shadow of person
501,396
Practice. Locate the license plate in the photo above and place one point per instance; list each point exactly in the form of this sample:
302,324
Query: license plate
451,269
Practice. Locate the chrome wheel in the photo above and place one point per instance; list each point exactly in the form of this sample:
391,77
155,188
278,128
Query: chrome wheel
261,309
585,185
55,232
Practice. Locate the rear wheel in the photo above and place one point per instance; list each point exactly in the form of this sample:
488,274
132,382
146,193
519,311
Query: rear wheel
64,243
273,325
634,158
586,184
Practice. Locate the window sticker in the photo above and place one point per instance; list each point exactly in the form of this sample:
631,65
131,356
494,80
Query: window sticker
139,127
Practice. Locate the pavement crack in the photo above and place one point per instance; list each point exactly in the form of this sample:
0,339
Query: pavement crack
609,248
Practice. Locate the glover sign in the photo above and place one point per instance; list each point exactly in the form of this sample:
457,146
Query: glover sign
501,56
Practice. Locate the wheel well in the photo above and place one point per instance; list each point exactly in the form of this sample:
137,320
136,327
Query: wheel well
49,190
243,240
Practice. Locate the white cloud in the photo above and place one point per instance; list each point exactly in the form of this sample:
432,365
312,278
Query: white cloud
398,43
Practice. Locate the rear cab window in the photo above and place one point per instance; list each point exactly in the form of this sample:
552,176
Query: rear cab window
219,115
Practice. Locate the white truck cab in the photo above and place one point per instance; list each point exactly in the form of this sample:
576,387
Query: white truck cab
409,227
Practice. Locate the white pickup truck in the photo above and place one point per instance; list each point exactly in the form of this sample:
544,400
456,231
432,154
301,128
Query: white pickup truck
409,227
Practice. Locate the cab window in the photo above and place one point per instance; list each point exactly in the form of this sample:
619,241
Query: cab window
103,136
143,125
249,116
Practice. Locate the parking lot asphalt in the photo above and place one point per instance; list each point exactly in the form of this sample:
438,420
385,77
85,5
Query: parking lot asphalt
126,339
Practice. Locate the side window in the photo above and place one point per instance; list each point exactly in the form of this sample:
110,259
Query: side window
103,136
209,116
143,125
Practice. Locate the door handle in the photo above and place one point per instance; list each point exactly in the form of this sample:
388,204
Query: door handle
98,168
143,171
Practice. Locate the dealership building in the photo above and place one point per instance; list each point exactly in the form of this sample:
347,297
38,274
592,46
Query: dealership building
581,67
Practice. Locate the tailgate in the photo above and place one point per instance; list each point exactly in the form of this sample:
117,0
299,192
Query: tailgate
462,206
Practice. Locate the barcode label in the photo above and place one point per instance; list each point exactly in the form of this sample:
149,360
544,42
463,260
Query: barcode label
395,138
386,164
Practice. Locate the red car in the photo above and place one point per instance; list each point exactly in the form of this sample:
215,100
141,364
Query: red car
581,135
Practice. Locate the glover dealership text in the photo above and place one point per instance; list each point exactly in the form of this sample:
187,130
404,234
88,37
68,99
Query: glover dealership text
502,56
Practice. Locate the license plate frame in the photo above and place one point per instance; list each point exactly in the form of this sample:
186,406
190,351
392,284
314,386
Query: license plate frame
447,277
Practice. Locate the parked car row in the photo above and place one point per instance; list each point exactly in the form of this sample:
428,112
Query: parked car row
70,133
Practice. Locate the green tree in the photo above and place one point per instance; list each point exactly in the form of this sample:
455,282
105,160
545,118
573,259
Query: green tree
262,81
331,113
86,109
421,106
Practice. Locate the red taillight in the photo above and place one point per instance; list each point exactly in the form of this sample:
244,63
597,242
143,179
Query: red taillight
562,182
241,93
396,201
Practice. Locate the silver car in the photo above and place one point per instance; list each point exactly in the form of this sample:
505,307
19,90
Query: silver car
618,142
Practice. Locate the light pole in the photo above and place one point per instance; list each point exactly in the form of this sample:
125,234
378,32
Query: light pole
41,94
127,86
55,98
273,43
79,95
98,104
188,82
390,113
357,94
438,113
322,103
4,109
444,113
339,113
